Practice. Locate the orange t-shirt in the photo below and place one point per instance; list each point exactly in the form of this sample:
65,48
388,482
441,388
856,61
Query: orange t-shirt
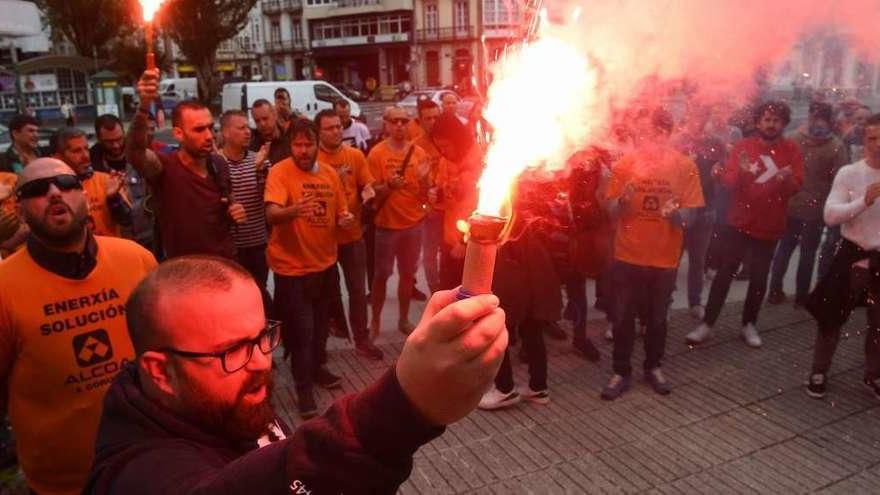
643,236
351,165
100,218
61,343
305,244
457,182
404,207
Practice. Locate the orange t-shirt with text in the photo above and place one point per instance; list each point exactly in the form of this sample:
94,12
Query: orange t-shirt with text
99,214
62,341
644,237
354,173
404,207
306,244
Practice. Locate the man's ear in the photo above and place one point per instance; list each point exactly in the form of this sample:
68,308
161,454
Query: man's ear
178,133
157,369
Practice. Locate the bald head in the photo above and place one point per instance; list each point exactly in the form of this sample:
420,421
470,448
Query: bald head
396,120
42,168
157,308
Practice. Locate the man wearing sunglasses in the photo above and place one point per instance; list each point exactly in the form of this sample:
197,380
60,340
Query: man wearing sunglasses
402,172
193,413
62,326
196,211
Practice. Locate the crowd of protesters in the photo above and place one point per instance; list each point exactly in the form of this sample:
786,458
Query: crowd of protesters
163,390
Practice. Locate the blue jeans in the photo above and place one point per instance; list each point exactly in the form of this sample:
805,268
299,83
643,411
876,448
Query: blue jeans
696,243
432,240
807,234
404,245
640,290
302,304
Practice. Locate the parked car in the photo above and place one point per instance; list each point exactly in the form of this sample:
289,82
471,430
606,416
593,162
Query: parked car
436,95
307,97
351,92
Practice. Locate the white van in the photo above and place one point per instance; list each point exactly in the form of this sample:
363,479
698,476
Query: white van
179,89
307,97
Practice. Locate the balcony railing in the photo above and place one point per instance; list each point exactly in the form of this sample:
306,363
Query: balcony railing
445,34
277,6
282,46
356,3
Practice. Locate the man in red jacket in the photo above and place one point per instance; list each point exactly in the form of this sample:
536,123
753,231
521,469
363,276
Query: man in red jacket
762,173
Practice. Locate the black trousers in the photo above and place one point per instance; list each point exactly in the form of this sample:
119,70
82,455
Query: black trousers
757,254
253,259
531,332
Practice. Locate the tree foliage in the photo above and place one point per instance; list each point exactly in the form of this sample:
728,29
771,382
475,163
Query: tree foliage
198,27
91,25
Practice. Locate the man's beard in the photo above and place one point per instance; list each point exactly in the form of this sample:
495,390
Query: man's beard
769,137
239,421
59,237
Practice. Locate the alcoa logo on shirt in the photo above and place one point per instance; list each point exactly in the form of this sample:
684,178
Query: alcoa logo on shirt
92,348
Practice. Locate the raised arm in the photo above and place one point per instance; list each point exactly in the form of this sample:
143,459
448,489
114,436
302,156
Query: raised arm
137,150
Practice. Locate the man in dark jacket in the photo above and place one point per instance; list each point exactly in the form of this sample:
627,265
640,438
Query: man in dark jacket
193,413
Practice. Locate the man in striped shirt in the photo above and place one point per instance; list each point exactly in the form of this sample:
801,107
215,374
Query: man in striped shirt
247,173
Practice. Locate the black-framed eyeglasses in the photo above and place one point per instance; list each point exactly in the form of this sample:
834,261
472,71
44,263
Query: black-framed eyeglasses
38,188
239,355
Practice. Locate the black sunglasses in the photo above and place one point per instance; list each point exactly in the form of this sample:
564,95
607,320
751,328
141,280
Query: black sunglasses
38,188
239,355
398,121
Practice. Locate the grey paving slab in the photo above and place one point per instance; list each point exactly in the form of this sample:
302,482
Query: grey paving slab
737,421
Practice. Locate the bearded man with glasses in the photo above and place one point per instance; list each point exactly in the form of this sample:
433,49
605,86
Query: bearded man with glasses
193,413
62,326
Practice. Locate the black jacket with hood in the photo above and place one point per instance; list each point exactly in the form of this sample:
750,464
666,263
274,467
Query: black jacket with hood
363,444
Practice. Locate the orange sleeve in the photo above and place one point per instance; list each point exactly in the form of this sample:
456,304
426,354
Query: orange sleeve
275,191
692,193
362,173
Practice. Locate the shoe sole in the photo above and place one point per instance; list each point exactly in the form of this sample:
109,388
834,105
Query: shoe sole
331,385
613,397
815,395
537,400
502,404
753,345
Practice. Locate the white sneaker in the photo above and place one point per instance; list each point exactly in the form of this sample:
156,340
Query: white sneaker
750,335
496,399
701,334
538,397
698,312
709,275
609,332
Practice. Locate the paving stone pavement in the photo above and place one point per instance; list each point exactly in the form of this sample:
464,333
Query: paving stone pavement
737,421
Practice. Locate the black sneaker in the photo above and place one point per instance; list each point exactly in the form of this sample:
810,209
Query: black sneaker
658,382
874,385
617,385
305,403
325,379
587,349
816,385
368,350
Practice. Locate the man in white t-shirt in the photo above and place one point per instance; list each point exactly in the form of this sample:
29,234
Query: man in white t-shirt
855,269
354,133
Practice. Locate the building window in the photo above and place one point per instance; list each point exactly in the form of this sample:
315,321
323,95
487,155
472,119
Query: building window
431,17
432,68
461,16
362,27
275,31
319,3
296,29
501,13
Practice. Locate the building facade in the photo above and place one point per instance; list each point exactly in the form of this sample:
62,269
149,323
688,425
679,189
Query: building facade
446,42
